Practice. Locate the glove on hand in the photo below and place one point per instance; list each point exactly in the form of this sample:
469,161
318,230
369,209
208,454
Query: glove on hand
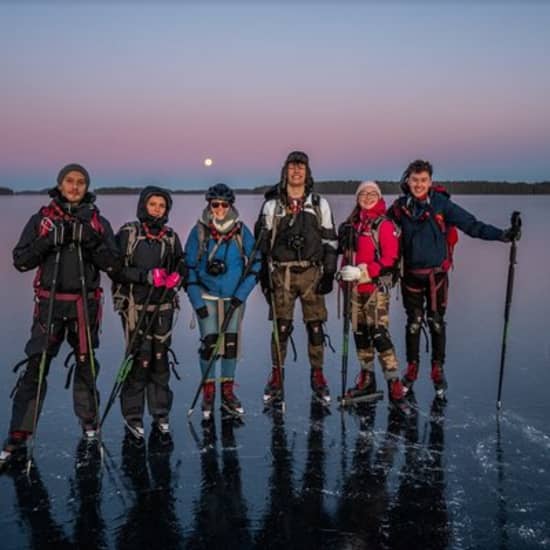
324,286
87,235
173,280
511,234
349,274
50,234
157,277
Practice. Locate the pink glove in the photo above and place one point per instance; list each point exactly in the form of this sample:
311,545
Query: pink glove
157,277
173,279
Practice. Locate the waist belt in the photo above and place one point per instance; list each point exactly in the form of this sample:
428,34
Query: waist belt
77,299
296,266
431,272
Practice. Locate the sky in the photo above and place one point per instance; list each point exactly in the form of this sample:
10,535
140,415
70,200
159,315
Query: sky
143,92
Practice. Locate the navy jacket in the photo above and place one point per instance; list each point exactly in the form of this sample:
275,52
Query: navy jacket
423,241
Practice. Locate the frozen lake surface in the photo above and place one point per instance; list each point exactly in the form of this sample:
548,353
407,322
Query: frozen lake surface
452,477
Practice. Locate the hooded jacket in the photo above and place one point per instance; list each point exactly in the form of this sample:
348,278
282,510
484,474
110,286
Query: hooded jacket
32,251
146,244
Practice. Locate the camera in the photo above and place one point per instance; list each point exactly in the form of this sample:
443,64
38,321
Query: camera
296,242
216,267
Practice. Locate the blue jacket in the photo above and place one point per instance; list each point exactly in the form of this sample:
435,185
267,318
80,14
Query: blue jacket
423,241
229,283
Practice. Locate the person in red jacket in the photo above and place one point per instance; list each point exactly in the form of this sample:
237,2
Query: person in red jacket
374,253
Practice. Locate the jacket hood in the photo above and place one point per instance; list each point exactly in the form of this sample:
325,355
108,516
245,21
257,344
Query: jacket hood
144,196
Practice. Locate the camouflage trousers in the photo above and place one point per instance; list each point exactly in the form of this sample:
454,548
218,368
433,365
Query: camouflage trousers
370,321
291,284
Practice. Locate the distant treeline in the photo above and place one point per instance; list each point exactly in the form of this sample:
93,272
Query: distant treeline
348,187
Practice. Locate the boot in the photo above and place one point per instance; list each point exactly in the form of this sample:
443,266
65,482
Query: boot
135,428
411,374
274,386
365,384
230,403
90,430
396,394
319,386
14,445
208,396
438,379
161,424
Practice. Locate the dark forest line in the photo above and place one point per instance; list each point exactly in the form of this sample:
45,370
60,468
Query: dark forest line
347,188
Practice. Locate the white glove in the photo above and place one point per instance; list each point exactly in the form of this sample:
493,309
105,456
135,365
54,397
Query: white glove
349,274
364,276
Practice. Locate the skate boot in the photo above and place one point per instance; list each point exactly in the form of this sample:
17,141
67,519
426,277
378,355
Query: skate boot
396,393
439,381
135,428
208,396
363,391
230,402
319,386
13,446
161,425
411,374
273,388
90,430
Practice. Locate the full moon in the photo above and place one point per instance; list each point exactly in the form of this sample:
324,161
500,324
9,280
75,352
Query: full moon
208,161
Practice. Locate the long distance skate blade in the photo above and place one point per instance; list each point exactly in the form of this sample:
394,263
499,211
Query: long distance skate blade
369,398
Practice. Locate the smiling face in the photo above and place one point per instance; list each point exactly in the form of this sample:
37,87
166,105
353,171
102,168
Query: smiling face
156,206
73,187
296,174
219,208
419,184
367,199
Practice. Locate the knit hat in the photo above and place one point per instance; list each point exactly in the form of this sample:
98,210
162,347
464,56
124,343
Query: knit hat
365,186
73,168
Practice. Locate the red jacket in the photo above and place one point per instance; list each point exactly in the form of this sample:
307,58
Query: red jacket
366,247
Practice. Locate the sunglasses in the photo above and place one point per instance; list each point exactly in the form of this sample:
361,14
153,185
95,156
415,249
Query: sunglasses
219,204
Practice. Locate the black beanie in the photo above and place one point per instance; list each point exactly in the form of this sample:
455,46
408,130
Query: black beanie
73,168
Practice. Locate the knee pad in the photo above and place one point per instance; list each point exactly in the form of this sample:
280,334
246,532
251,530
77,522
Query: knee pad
414,323
285,328
231,340
362,337
382,340
436,323
207,347
315,333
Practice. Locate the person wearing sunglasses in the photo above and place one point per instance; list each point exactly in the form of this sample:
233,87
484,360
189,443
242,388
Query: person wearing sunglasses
217,251
300,255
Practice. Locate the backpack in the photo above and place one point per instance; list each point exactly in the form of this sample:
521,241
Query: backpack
450,231
135,235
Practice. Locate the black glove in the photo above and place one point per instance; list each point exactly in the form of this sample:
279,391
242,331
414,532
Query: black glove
50,235
347,235
202,312
235,302
511,234
324,286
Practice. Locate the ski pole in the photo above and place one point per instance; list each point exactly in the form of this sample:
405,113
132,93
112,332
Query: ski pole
275,332
126,364
91,356
516,226
231,310
348,255
58,239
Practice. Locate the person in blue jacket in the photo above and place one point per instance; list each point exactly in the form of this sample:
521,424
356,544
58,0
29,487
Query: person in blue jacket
218,250
428,217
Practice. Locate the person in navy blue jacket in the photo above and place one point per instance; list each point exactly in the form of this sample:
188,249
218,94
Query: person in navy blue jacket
428,219
218,250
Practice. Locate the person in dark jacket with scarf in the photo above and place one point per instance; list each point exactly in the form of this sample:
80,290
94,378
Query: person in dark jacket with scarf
375,253
152,274
426,216
217,252
50,242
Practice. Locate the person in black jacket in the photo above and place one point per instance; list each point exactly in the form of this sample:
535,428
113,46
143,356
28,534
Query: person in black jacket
300,251
69,224
427,217
152,274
